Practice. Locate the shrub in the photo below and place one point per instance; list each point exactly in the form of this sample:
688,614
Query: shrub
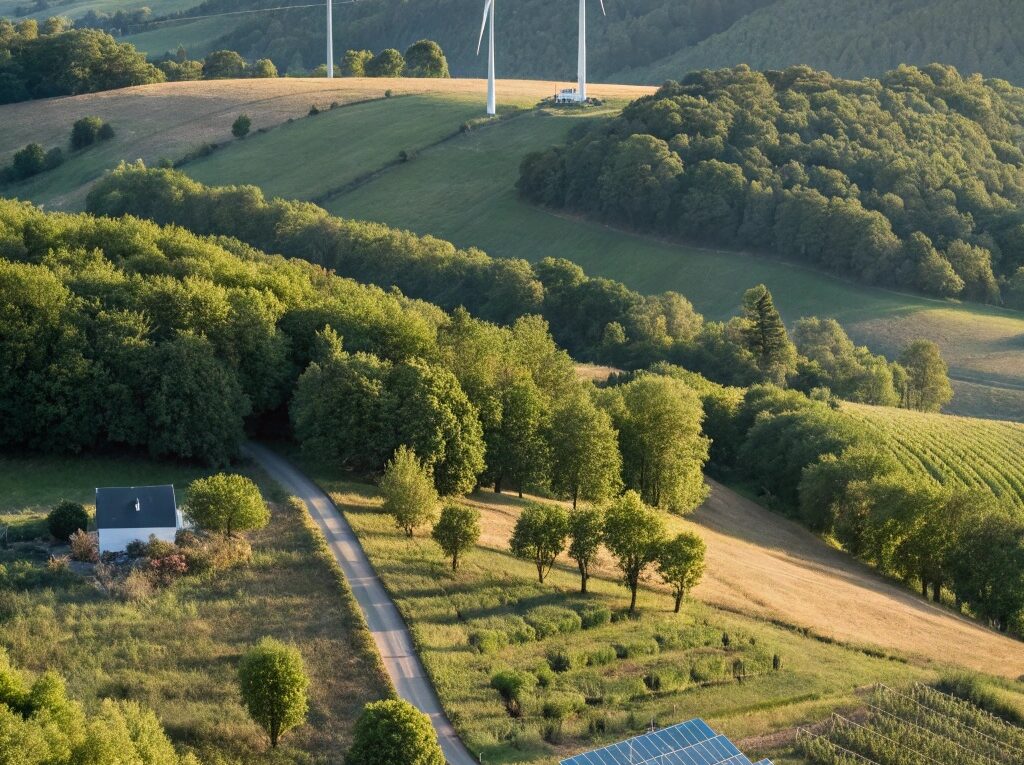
216,554
592,686
393,731
158,548
636,648
137,549
85,132
704,669
545,675
513,686
563,704
106,132
58,564
653,681
593,615
553,620
488,641
85,547
601,655
562,659
65,519
168,568
241,126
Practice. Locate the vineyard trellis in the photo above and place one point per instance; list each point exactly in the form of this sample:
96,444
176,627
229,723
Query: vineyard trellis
917,726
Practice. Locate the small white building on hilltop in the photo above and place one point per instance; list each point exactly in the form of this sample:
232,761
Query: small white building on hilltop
129,513
568,96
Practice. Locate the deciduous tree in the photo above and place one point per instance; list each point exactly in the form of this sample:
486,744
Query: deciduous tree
408,491
681,564
273,682
634,534
457,531
539,535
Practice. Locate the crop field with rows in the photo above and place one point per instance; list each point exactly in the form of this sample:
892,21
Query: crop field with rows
960,451
919,726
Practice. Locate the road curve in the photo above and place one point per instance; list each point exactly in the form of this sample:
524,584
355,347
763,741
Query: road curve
389,630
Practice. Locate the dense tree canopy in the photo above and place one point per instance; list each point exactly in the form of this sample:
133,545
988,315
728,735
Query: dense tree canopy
41,725
61,62
914,180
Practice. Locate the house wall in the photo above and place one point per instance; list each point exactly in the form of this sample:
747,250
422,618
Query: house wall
116,540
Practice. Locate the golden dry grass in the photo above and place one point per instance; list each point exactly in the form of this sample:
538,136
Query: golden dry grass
167,119
763,565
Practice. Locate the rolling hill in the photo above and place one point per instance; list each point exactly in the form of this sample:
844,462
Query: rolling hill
460,186
644,41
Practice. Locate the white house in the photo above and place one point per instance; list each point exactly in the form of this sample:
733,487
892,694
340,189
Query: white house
128,513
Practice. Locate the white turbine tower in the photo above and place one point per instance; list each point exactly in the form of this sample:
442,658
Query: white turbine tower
581,92
330,39
492,106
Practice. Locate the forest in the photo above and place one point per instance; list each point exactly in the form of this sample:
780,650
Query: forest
594,319
913,181
56,60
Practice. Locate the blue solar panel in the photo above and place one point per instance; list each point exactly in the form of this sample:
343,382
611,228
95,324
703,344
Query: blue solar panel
688,743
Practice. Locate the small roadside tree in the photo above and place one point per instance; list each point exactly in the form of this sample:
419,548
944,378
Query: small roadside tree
67,518
394,731
633,533
457,531
681,564
273,683
408,490
241,126
586,530
227,503
539,536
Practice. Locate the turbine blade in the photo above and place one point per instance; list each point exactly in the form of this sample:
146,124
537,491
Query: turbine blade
483,26
602,7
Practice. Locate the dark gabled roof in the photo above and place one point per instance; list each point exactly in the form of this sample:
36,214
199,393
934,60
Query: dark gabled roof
156,508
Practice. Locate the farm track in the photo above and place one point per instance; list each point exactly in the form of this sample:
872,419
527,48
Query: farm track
390,633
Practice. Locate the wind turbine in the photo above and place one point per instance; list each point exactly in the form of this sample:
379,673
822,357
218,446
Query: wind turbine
492,107
330,38
581,93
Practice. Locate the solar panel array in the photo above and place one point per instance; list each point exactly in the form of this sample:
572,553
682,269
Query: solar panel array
689,743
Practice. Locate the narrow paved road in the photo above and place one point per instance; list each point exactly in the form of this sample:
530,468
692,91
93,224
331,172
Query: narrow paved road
386,625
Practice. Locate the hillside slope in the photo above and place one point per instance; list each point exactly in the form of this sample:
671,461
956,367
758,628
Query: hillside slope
645,41
763,565
463,190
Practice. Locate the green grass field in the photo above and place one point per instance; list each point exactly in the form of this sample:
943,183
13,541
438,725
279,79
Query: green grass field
684,653
347,141
197,36
463,190
975,454
178,650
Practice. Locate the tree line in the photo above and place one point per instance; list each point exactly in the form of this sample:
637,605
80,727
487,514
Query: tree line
422,59
914,180
594,319
810,459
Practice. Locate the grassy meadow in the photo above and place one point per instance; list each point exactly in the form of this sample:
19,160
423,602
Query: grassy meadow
662,667
178,650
